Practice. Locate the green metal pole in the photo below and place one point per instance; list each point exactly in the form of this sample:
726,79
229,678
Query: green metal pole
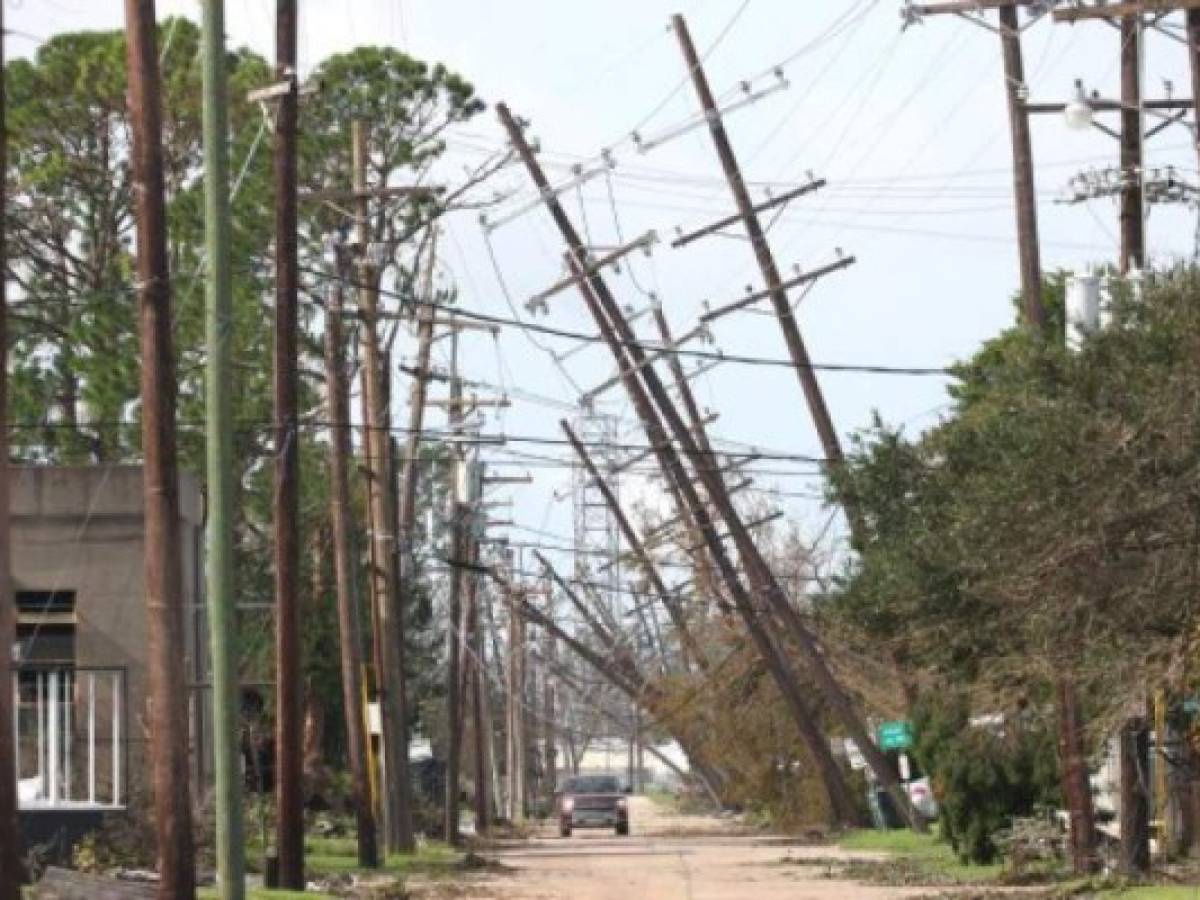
218,321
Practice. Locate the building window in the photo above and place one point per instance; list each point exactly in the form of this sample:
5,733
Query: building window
46,627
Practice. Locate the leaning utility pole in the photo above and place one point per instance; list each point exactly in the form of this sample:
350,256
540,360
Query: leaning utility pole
389,610
765,258
289,700
1024,182
348,612
222,600
631,358
10,851
163,569
609,320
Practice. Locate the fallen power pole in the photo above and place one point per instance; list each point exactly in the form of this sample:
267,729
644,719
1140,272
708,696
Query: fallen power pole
289,700
221,597
10,850
348,612
623,343
163,566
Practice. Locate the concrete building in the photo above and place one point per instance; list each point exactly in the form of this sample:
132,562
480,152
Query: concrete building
78,558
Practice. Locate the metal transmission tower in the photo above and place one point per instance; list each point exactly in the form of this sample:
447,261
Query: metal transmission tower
596,531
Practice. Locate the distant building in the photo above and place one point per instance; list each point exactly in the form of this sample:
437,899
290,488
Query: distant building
78,554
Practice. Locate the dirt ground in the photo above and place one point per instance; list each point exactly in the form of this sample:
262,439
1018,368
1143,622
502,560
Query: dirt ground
669,857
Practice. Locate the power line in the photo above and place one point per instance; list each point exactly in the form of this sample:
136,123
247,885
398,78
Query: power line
433,435
650,346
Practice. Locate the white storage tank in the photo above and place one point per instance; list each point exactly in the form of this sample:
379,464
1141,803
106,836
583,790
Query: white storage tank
1083,309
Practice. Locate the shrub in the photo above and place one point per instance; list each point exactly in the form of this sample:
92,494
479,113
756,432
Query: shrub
983,777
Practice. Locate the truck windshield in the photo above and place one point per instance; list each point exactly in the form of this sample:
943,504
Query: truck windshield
592,784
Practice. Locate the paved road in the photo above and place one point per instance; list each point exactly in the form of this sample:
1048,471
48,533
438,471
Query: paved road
670,858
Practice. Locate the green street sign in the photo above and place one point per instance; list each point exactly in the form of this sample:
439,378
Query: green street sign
895,735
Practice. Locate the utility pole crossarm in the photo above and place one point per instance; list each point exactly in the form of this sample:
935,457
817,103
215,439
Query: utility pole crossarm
1122,9
803,278
963,6
684,239
656,354
1101,105
645,242
371,193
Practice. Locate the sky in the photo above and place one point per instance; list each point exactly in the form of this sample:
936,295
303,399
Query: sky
909,128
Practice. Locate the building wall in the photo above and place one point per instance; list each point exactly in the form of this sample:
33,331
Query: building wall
82,529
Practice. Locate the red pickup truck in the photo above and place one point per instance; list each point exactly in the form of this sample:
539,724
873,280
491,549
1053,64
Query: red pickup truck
592,801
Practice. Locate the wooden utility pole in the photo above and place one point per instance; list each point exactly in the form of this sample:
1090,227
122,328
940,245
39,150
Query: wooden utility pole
1024,181
474,662
701,566
1193,43
389,610
480,721
289,699
460,507
10,845
348,613
629,355
486,781
1133,213
163,568
514,698
765,258
549,704
222,601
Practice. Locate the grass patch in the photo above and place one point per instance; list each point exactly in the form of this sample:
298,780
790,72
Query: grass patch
918,857
338,856
264,894
1172,892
